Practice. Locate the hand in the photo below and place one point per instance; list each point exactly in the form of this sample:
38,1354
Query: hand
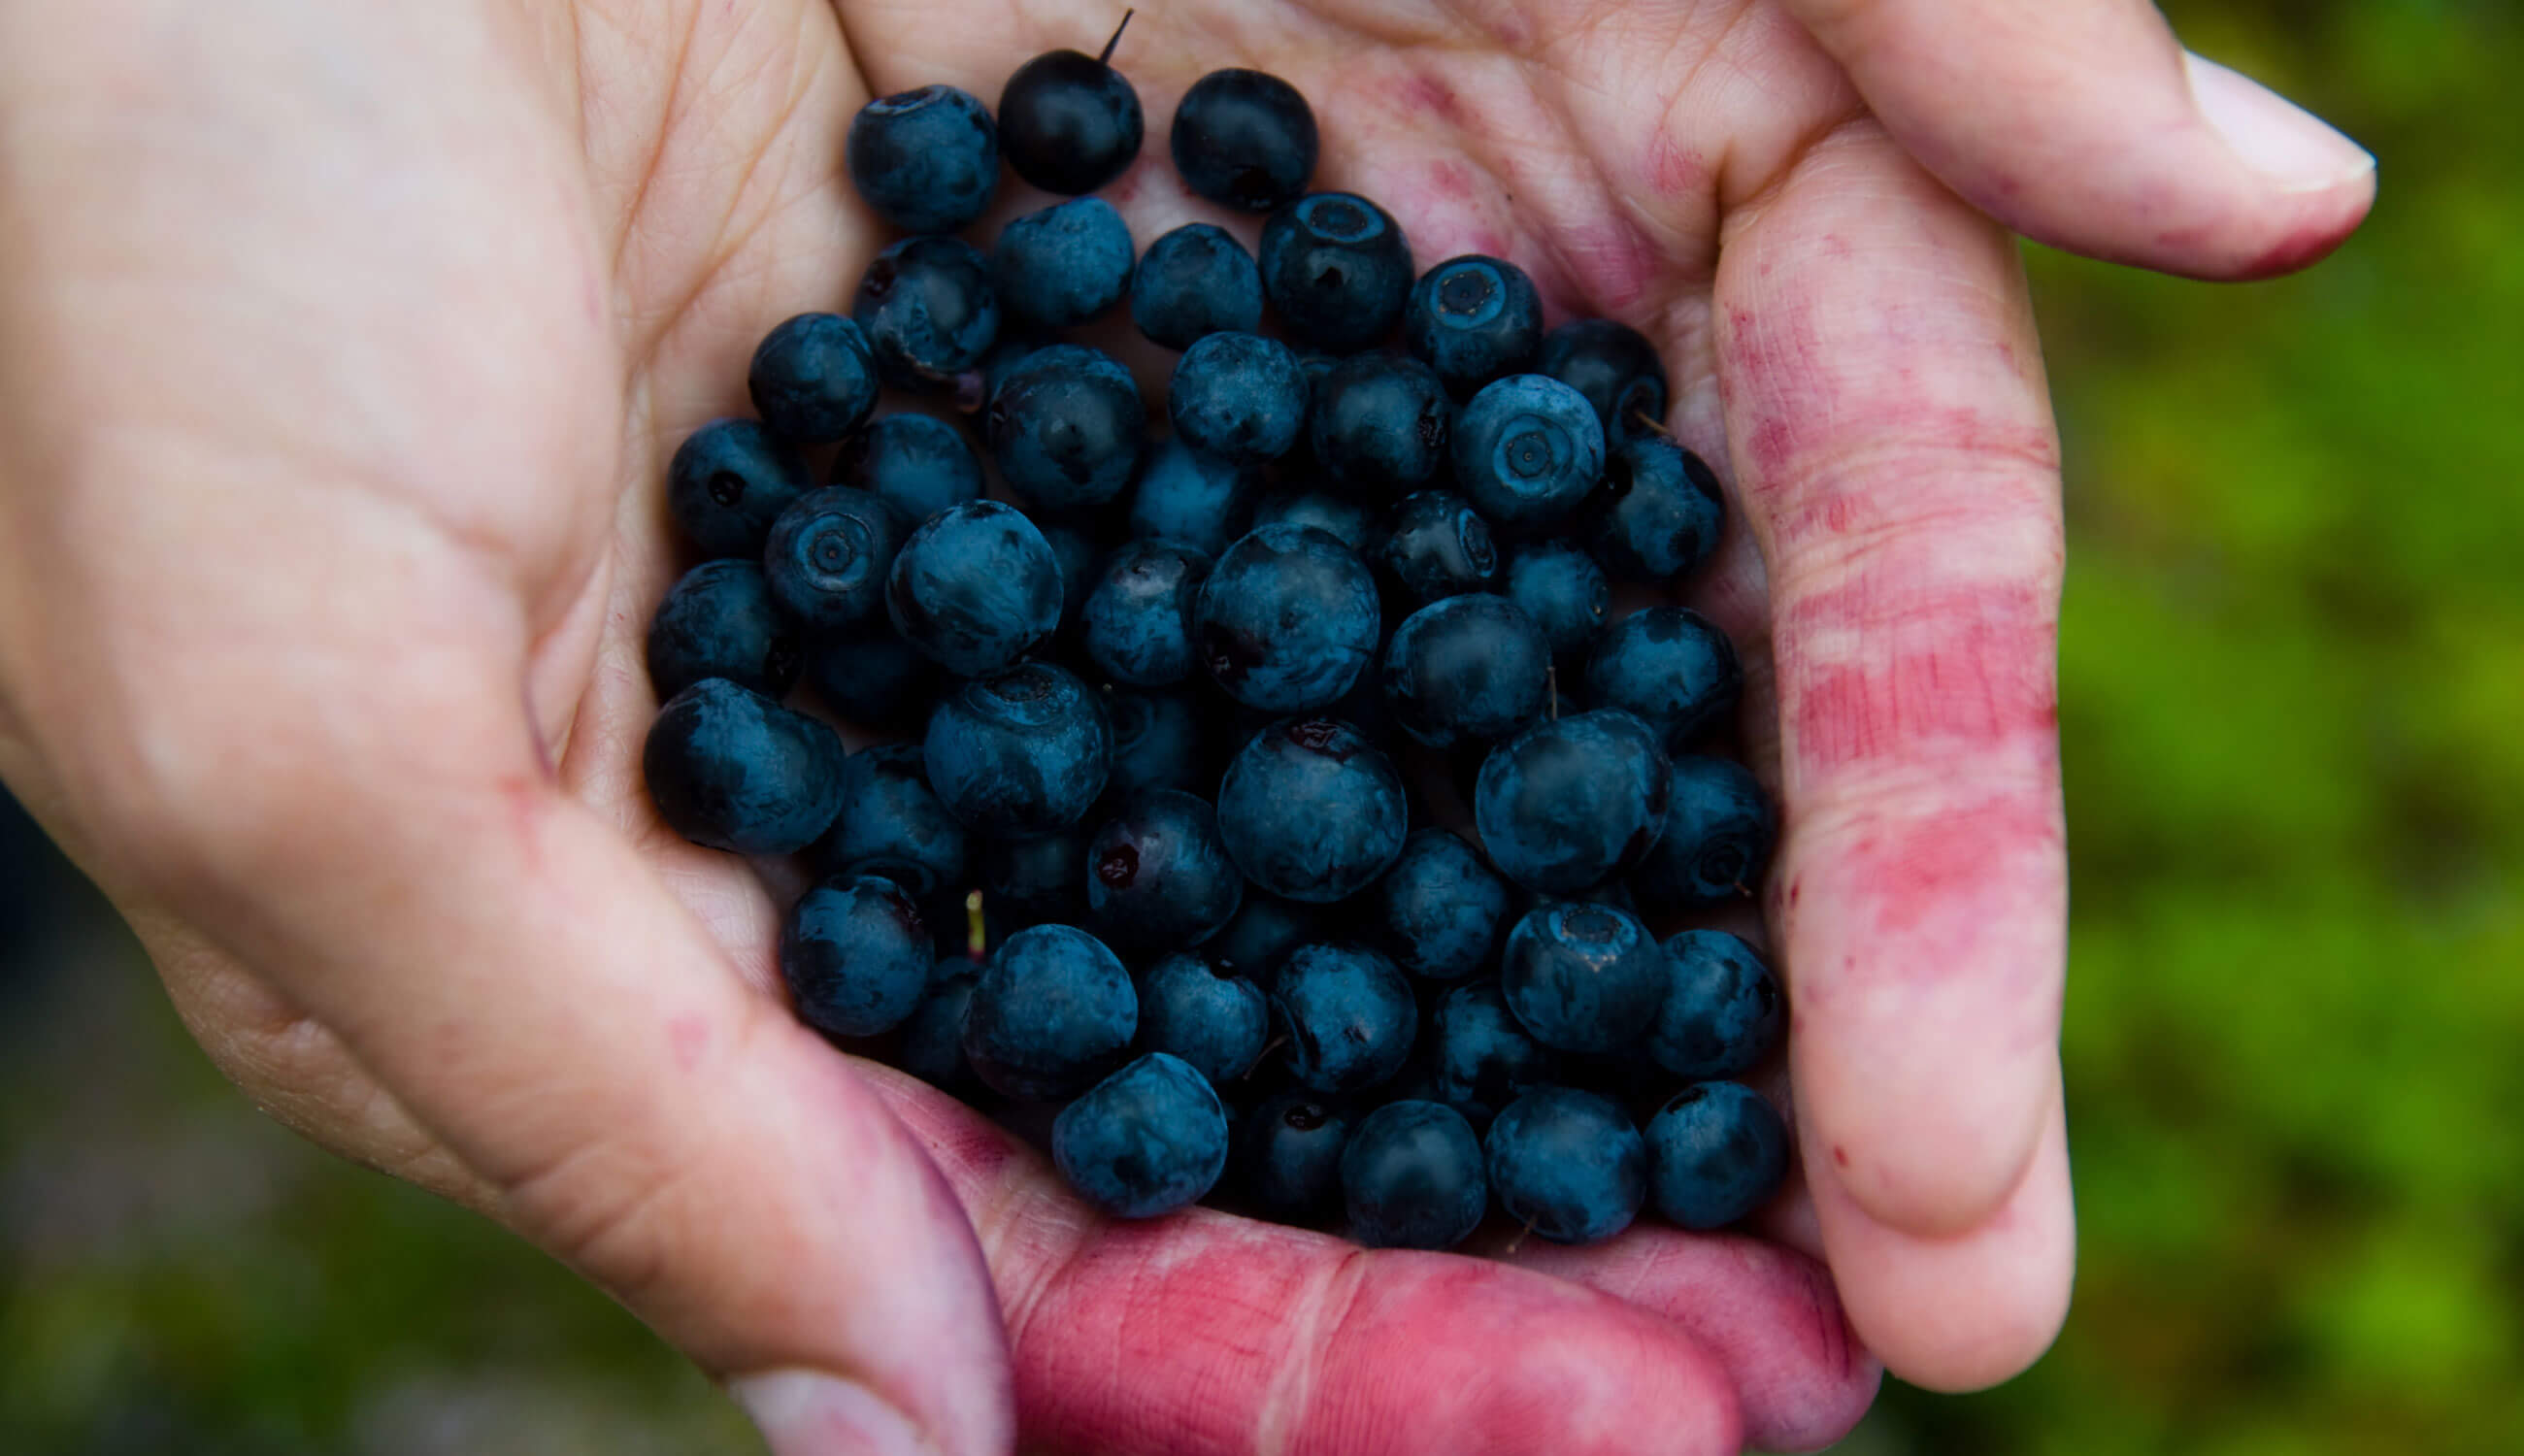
340,351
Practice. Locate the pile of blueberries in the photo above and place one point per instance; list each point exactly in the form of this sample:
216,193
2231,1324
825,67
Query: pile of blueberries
1171,833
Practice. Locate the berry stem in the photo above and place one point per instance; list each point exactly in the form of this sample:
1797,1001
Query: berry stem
1106,58
1658,426
1551,684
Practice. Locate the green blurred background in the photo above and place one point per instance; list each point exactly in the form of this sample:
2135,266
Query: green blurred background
2293,704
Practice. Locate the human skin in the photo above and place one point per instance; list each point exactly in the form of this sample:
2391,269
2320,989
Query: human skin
341,348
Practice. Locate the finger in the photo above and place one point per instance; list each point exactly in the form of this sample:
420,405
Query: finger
1896,461
1206,1334
2084,124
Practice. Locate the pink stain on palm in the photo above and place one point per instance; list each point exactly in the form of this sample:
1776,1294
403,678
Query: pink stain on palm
1424,94
1673,170
1611,263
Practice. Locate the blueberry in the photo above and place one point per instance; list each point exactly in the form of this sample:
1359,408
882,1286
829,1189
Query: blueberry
1035,879
1481,1057
975,587
1348,1014
1570,802
1182,495
1438,910
1195,280
1467,669
1065,425
1528,450
1716,1153
1138,618
1311,811
870,675
928,309
720,621
1564,589
932,1040
1670,666
1022,751
1144,1142
919,464
1080,555
1613,366
1206,1014
1266,928
856,957
1718,829
1582,977
1161,740
1063,265
1244,139
1354,524
1158,878
828,555
1660,514
730,768
1439,547
1474,318
1379,423
813,379
1052,1012
1412,1178
1568,1164
925,160
1337,270
1288,1152
1069,122
1238,396
1286,619
1723,1010
728,481
892,824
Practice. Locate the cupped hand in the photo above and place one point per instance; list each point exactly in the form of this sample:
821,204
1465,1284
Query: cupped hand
341,347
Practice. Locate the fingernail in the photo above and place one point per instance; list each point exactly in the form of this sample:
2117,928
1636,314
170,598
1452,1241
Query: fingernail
2274,135
806,1413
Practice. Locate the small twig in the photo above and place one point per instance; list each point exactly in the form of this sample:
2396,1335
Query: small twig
1106,59
975,939
1551,684
1658,426
1264,1055
1518,1241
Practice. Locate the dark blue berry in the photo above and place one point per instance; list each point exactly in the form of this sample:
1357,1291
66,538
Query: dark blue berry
1238,396
856,957
1288,618
728,481
1582,977
1564,589
1354,524
1080,553
1528,450
1567,1165
1199,499
1052,1012
1195,280
1022,751
1348,1014
1069,122
1661,513
1613,366
1716,1153
813,379
1027,881
1144,1142
1670,666
1467,669
1288,1152
1412,1178
1723,1009
1244,139
1160,740
1439,547
730,768
1065,425
1158,878
1379,423
1137,623
932,1040
1481,1057
1063,265
1266,928
1718,829
919,464
1474,318
975,587
925,160
1311,811
1572,801
1438,910
829,554
929,312
1211,1017
871,675
891,823
720,621
1337,270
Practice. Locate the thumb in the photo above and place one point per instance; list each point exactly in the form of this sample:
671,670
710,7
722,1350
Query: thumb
2083,124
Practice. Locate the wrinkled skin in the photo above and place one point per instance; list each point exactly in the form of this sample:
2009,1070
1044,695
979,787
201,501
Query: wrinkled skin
341,348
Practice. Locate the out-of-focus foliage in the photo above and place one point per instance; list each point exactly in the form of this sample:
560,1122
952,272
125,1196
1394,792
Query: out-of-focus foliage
2292,705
